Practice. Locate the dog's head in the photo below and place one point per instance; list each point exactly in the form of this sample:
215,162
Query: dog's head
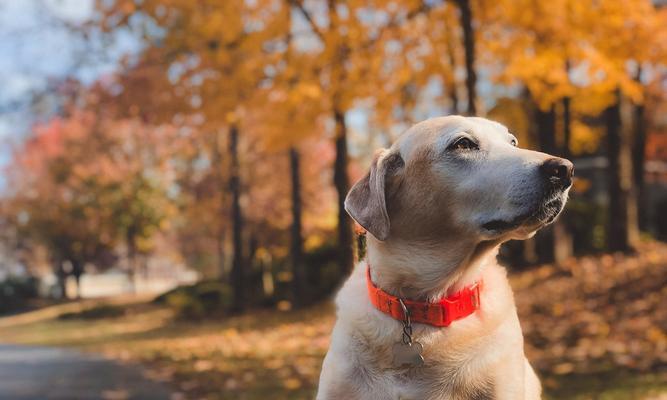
459,176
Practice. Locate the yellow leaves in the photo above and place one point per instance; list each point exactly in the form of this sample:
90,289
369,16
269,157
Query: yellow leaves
512,113
594,100
231,118
203,365
534,40
557,309
563,368
306,92
585,139
656,335
581,185
292,383
404,75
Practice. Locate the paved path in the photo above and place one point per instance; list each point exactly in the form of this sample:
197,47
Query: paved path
36,373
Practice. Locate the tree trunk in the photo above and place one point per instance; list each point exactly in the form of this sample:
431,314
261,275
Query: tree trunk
546,129
449,73
253,270
340,179
61,276
452,87
237,273
222,185
620,180
131,260
296,245
545,124
342,184
77,271
567,127
145,273
469,46
562,239
638,158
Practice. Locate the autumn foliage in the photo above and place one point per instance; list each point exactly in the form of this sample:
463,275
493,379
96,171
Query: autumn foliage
227,140
233,133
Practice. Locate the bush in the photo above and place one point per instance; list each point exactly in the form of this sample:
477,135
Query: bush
203,299
98,312
15,292
322,271
586,220
661,219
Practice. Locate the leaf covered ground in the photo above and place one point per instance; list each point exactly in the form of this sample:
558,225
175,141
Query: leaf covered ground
594,328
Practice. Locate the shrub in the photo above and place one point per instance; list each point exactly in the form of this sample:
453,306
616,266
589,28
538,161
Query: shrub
15,292
98,312
203,299
586,220
322,271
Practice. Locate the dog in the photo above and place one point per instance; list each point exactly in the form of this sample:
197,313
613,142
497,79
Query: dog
430,314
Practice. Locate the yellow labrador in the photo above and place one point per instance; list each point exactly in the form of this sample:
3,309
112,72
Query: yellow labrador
437,205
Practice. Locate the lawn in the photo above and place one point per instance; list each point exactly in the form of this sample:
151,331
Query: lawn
594,328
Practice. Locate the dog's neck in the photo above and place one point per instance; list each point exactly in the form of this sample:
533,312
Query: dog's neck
427,271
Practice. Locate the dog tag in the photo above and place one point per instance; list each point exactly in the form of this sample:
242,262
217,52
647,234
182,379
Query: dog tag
409,354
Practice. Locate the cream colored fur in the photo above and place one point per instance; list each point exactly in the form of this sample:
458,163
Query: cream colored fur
428,206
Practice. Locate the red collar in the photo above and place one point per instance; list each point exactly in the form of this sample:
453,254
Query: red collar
440,314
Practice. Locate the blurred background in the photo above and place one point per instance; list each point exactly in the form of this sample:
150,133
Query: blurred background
173,173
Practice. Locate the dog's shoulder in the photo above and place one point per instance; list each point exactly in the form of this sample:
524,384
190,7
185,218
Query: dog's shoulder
353,293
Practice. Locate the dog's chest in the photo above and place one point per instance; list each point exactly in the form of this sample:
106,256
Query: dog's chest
451,370
439,382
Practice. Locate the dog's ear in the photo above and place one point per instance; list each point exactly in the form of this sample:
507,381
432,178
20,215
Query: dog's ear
366,201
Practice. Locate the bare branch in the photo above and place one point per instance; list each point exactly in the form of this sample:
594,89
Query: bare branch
306,14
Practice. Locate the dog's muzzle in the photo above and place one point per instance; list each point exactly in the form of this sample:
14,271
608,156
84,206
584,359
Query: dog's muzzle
556,177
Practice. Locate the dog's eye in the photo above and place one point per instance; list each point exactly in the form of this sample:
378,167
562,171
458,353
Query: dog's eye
514,142
463,144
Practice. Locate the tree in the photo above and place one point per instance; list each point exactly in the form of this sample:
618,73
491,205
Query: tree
556,40
346,63
84,184
465,11
620,179
59,205
636,26
220,51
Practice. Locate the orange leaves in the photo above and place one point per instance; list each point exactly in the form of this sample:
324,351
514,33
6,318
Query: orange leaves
536,40
85,181
585,139
595,312
216,47
287,116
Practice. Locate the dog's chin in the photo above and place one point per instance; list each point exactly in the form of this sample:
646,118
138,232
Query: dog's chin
525,224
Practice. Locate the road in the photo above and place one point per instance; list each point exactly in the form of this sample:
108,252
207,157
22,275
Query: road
36,373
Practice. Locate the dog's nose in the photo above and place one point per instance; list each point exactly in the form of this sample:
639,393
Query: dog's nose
558,169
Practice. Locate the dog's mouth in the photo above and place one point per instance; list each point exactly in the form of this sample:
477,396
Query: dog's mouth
540,216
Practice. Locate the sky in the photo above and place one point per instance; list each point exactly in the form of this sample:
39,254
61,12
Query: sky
38,46
35,46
